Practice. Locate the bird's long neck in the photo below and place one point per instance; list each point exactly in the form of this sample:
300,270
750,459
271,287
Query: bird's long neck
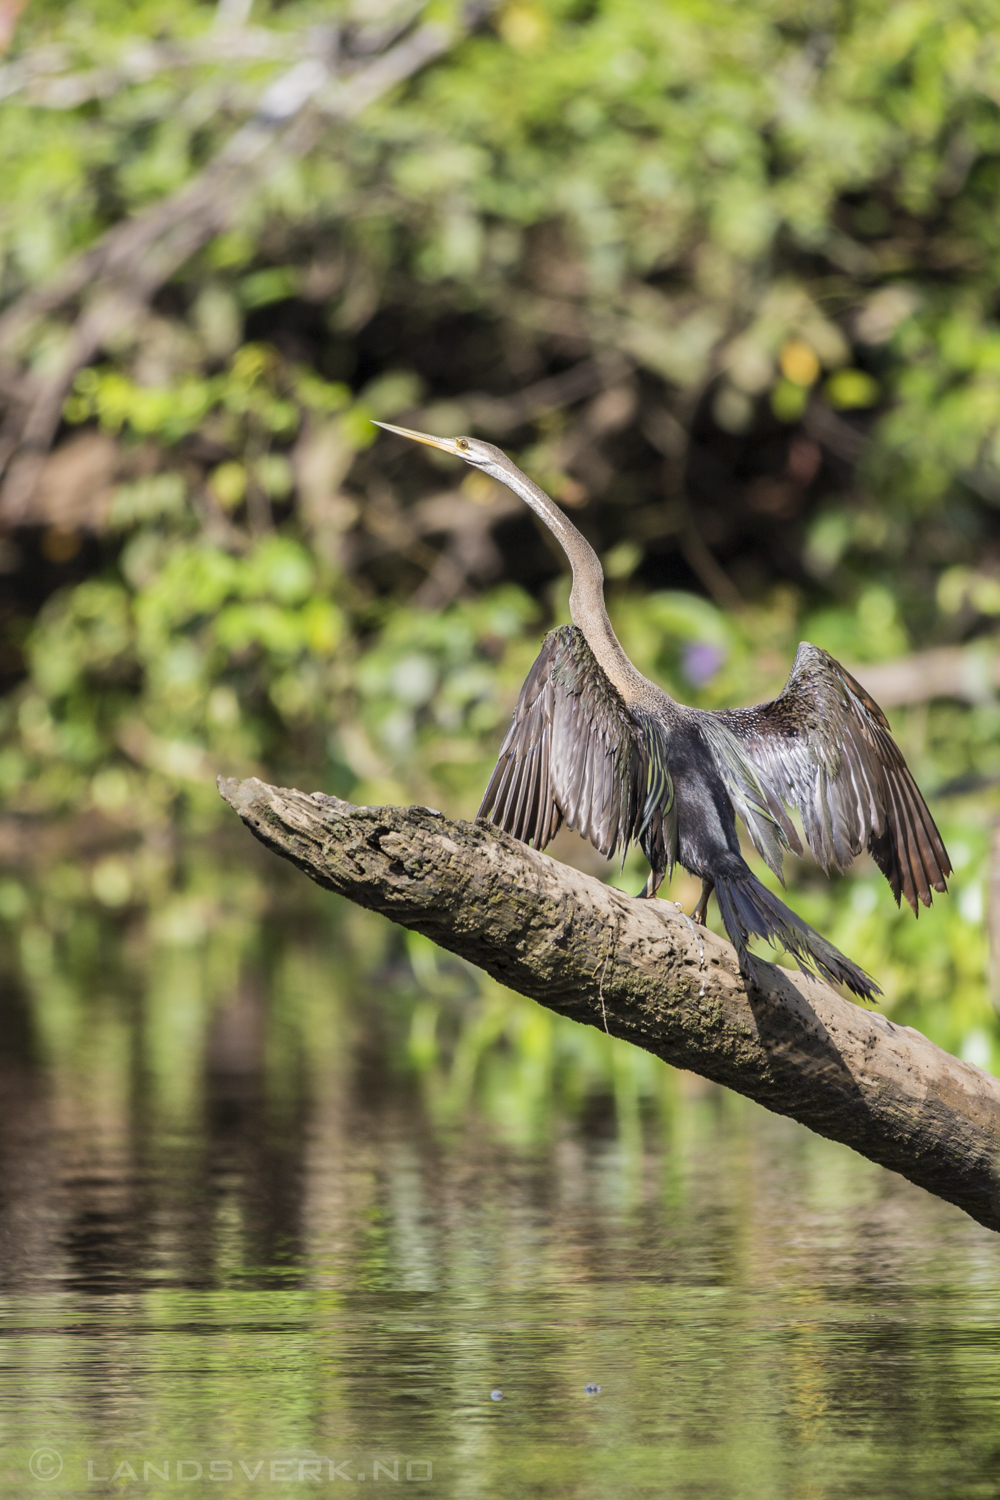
586,600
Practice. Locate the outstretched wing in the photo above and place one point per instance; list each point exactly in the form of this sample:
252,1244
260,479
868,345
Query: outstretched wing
824,747
574,753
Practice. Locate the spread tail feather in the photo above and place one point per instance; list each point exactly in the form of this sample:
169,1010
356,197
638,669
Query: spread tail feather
749,909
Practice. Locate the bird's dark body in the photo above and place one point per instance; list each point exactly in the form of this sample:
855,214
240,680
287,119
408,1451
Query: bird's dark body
672,778
706,823
598,746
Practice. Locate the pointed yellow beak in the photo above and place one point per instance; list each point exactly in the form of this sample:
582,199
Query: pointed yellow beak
447,445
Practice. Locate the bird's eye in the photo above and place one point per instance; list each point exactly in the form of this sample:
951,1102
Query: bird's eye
462,443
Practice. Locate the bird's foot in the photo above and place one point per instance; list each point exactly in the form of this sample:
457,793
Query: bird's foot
700,913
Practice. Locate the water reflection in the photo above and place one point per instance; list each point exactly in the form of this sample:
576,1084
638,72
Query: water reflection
290,1199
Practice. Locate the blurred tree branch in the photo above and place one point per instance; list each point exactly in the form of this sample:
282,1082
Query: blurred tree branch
643,971
49,80
123,271
970,674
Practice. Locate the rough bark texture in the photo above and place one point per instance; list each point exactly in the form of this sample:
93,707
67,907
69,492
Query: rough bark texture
645,972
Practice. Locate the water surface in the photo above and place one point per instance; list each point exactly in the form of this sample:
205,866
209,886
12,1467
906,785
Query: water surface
287,1207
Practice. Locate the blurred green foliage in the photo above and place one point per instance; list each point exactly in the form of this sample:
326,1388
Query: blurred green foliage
771,232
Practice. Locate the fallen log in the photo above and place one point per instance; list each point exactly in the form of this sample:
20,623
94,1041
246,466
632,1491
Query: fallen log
643,971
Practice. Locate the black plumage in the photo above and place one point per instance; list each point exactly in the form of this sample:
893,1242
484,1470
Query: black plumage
824,747
598,746
572,754
575,752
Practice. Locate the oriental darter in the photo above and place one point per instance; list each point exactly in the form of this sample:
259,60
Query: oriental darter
596,745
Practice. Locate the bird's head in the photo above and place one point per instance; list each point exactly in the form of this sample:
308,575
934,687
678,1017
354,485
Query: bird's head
474,451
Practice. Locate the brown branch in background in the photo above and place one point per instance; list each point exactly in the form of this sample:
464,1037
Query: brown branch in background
48,81
705,566
833,433
358,83
125,269
499,414
669,436
541,928
188,216
383,518
970,674
470,553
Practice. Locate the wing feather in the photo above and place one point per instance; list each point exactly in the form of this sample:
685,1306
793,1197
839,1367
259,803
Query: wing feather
824,747
573,753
